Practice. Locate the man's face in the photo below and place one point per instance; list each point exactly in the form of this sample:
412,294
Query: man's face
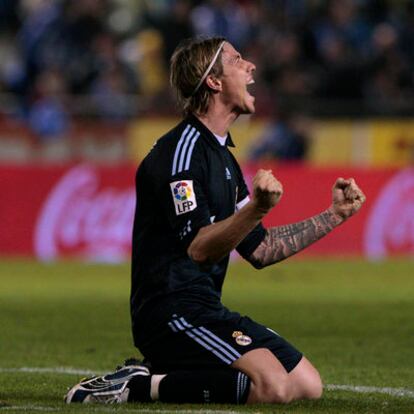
237,74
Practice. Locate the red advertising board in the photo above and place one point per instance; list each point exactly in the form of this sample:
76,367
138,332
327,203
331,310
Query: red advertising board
86,211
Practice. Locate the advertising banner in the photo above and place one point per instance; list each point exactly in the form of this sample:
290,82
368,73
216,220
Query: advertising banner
85,211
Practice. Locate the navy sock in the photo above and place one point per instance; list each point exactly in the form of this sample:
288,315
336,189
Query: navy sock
226,386
140,389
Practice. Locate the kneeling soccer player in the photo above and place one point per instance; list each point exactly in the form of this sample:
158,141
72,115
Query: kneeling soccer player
193,209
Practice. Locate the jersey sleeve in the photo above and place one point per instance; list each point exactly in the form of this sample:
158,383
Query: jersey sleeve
249,244
186,201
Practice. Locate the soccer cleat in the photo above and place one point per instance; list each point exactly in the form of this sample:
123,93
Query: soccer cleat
135,362
107,389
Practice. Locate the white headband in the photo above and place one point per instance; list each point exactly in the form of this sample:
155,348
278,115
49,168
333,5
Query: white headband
209,68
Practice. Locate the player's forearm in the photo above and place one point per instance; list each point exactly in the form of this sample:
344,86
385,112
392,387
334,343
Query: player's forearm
217,240
284,241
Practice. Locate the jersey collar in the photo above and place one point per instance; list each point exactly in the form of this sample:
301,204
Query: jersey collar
193,120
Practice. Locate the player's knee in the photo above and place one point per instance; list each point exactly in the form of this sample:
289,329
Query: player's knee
313,388
274,392
283,391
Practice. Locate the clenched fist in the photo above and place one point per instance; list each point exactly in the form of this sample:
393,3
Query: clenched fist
267,190
347,197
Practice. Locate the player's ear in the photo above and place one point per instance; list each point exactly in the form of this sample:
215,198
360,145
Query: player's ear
214,83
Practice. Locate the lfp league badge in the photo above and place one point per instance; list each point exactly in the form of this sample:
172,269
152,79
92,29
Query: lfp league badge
183,196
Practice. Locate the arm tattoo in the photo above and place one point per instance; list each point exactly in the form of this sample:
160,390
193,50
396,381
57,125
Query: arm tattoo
284,241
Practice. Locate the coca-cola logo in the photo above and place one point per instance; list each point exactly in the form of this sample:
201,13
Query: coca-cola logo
390,226
82,219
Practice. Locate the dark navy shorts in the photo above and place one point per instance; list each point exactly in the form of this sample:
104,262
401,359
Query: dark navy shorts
210,340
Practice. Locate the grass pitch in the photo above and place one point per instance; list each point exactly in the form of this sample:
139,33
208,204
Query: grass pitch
352,319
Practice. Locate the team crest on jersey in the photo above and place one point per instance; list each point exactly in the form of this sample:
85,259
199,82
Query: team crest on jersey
241,339
183,196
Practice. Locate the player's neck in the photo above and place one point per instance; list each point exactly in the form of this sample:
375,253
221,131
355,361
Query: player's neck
217,120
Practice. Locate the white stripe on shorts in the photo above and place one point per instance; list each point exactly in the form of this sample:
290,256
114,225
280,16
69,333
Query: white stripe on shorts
202,342
207,340
213,339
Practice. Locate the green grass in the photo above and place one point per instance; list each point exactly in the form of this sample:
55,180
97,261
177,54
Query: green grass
354,320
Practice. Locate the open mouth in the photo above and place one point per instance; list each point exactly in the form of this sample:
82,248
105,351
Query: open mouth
249,86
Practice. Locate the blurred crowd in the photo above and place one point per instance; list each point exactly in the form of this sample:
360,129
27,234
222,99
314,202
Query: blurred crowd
109,58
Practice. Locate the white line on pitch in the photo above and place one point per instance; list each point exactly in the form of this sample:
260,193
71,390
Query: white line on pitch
29,408
396,392
100,409
55,370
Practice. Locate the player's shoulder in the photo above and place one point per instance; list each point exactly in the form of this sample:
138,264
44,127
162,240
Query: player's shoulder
185,134
180,149
179,146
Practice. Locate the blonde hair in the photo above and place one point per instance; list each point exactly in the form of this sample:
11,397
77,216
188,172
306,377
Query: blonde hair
189,64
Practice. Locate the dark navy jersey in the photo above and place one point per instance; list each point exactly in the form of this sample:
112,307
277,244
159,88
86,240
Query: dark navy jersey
187,181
